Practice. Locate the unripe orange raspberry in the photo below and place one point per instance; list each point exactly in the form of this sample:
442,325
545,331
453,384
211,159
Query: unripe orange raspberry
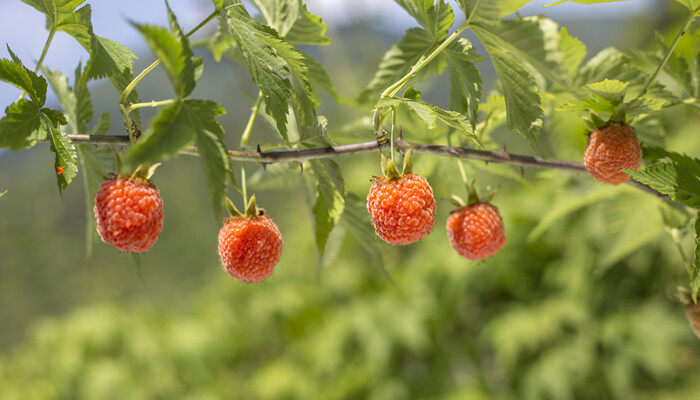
402,209
249,247
129,213
476,231
609,150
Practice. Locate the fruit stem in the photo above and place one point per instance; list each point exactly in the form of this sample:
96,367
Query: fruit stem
677,39
419,65
244,190
251,119
132,85
393,125
145,104
49,39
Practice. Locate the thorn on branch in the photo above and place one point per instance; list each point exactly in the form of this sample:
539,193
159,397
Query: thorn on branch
263,164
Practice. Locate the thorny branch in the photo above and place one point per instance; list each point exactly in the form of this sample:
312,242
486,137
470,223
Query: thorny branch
270,157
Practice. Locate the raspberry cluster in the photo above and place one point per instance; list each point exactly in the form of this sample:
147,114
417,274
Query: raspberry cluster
402,209
129,213
249,247
476,231
610,149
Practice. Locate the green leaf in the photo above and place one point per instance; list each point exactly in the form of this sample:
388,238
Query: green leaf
267,69
279,14
212,150
534,40
174,128
482,11
679,178
102,125
435,16
465,78
356,219
303,96
690,4
523,103
82,94
168,135
107,57
398,61
15,73
330,199
308,29
96,162
610,63
55,117
644,105
430,114
573,51
583,2
66,96
319,79
594,103
695,271
66,158
608,86
21,127
173,50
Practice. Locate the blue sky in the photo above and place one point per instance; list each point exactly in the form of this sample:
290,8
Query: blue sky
21,27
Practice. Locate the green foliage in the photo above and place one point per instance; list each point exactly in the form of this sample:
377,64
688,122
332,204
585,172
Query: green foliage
673,174
430,114
66,157
15,73
175,128
435,16
582,2
107,57
267,69
173,50
573,307
397,61
465,79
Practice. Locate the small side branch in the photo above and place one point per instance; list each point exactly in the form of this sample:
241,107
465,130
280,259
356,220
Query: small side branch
270,157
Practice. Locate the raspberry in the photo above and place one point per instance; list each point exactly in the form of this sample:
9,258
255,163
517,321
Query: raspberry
476,231
609,149
249,247
402,209
129,213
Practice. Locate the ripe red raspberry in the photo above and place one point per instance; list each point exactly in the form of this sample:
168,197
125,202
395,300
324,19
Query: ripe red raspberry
402,209
249,247
476,231
129,213
611,148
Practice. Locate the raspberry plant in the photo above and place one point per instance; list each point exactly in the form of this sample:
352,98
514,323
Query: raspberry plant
540,68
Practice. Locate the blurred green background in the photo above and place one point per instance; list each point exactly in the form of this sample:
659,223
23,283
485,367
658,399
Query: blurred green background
578,305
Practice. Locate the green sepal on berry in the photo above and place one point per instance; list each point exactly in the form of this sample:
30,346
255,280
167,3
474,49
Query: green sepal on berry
389,166
473,196
144,171
251,209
